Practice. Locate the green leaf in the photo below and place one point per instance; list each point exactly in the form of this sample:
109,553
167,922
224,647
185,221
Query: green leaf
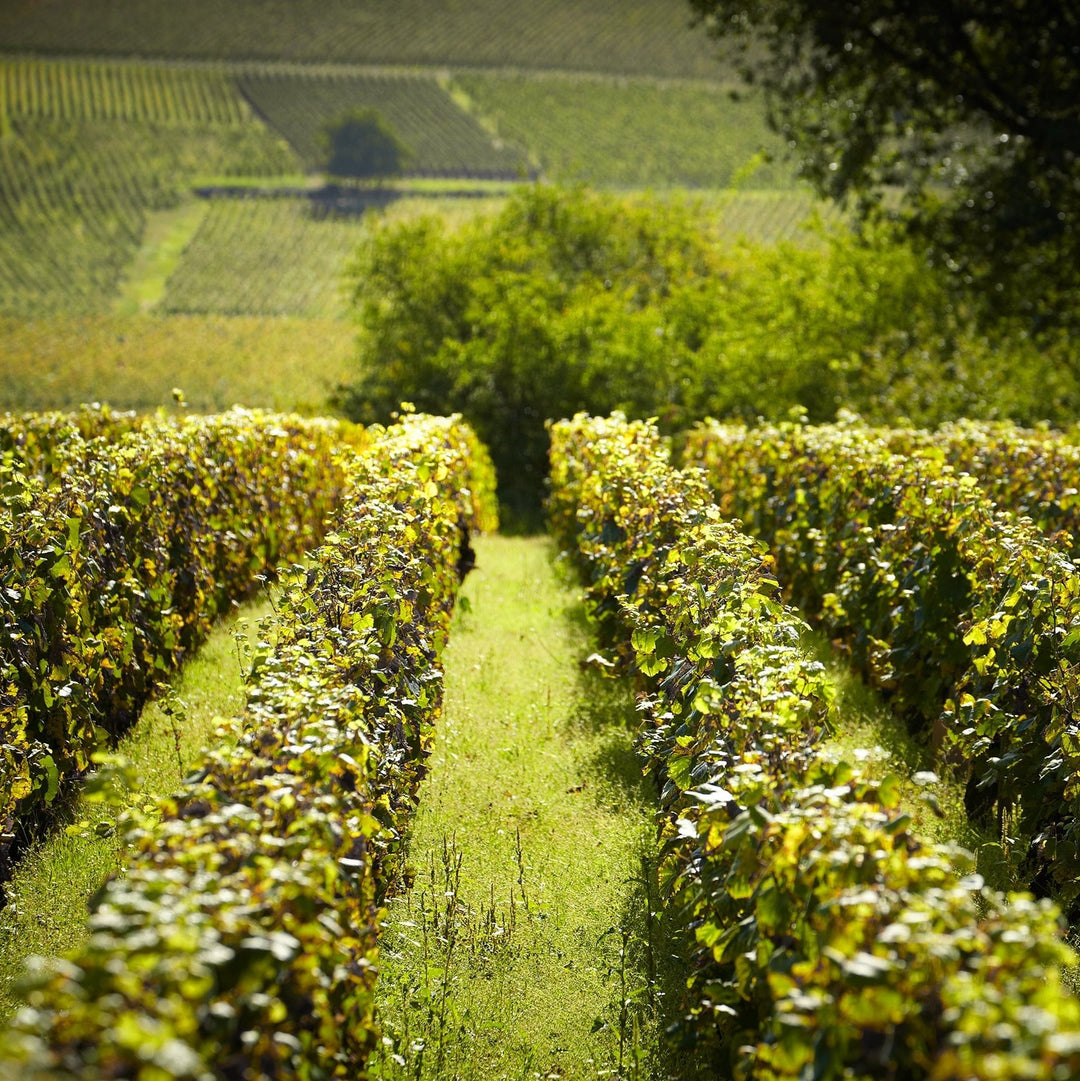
889,791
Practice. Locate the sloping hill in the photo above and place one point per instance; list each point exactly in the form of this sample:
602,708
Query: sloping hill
633,37
442,139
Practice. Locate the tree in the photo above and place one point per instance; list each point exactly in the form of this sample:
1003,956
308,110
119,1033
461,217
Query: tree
969,109
360,143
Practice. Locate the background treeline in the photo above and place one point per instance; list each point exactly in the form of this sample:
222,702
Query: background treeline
567,300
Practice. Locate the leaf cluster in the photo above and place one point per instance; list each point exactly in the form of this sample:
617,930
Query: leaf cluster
829,940
968,615
1031,472
242,940
117,555
38,441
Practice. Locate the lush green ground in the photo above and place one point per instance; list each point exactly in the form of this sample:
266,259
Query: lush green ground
626,36
529,849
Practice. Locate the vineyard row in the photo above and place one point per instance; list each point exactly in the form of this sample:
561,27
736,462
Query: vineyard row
967,615
827,940
117,553
243,935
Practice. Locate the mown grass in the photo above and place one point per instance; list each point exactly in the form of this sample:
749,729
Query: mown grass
47,896
526,928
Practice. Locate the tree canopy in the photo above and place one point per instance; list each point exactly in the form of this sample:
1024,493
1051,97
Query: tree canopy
969,109
572,300
361,144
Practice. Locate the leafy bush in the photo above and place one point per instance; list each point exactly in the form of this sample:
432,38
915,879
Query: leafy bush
39,442
569,301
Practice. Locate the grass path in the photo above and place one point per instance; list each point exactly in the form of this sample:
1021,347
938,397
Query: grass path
46,912
165,237
525,930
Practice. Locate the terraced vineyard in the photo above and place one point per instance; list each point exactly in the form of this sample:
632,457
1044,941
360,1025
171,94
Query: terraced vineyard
631,133
74,199
624,36
264,257
90,150
89,90
441,139
95,150
769,217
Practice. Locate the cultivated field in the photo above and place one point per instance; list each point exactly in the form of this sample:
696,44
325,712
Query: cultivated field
441,139
264,257
623,36
631,133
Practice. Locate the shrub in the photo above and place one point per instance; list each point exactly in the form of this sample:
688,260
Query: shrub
568,301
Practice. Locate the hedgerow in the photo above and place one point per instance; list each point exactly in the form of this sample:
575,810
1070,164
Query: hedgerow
241,942
37,442
968,615
114,566
1033,472
827,940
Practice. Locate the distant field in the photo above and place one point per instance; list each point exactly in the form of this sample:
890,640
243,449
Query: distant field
88,90
284,256
264,257
134,363
768,217
89,150
636,37
440,136
74,199
163,103
630,133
